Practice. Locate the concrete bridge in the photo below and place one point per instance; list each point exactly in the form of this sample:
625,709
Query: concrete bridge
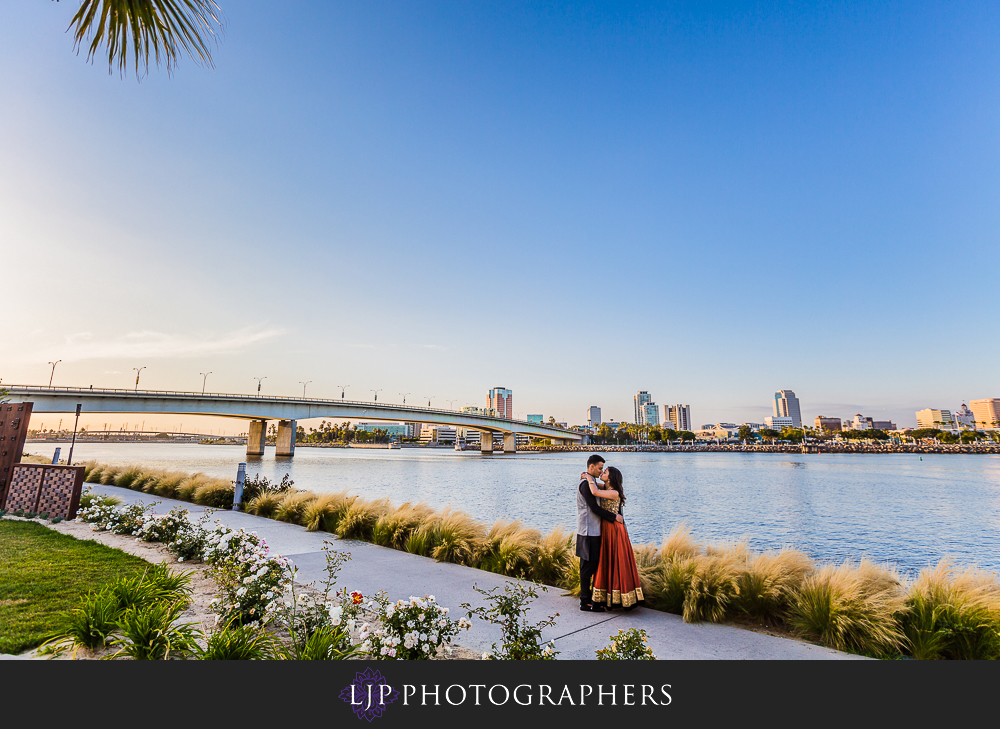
286,410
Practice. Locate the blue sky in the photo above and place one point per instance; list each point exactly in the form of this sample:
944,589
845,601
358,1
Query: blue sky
709,201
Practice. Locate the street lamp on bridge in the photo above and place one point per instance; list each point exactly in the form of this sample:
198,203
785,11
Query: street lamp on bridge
304,387
343,389
451,403
53,370
204,379
259,380
138,371
404,394
376,393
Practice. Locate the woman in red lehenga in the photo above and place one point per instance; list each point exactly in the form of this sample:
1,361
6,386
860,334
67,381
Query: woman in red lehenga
616,584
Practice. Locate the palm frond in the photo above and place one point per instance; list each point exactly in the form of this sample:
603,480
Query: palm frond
132,30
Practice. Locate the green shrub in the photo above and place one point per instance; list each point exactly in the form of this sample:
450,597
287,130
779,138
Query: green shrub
627,645
89,624
521,640
148,632
236,642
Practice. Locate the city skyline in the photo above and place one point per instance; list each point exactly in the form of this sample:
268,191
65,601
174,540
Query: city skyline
341,163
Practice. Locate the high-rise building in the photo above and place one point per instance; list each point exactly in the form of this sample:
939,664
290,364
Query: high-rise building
786,405
932,418
829,424
677,417
986,413
502,401
594,416
641,398
649,414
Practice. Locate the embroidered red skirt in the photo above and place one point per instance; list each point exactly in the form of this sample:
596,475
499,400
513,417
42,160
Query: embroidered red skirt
616,583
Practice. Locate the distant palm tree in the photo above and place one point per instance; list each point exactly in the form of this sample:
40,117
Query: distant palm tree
133,30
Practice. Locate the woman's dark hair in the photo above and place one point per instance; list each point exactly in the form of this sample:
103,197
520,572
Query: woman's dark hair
615,482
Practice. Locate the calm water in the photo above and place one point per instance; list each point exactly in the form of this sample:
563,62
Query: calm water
891,508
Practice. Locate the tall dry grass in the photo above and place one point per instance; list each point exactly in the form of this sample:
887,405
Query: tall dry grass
394,529
953,614
324,512
851,608
769,582
508,548
360,517
293,505
553,558
455,536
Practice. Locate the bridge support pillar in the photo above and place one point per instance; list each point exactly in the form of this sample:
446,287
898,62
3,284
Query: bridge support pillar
486,442
255,438
510,442
286,438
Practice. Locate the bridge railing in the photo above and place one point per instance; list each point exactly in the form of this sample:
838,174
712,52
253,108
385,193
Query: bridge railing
43,389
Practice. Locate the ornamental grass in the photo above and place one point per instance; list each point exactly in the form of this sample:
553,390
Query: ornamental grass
851,609
713,587
952,614
666,584
322,513
360,517
264,505
216,492
769,582
553,558
394,529
508,548
126,476
456,536
292,507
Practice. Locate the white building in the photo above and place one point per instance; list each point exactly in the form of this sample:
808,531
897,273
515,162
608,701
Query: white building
776,422
965,417
594,416
786,405
860,422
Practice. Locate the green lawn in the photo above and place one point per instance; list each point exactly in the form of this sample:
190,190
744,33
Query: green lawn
43,573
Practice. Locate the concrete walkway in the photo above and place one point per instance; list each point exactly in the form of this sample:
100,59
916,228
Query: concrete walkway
577,634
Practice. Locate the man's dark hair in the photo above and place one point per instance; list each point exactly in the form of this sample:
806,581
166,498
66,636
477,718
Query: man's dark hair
594,459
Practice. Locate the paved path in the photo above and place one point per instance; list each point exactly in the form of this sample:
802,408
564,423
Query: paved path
577,634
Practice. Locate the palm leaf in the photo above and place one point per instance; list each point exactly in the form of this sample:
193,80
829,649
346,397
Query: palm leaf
132,30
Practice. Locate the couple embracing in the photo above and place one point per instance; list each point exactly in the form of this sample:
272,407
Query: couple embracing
602,542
